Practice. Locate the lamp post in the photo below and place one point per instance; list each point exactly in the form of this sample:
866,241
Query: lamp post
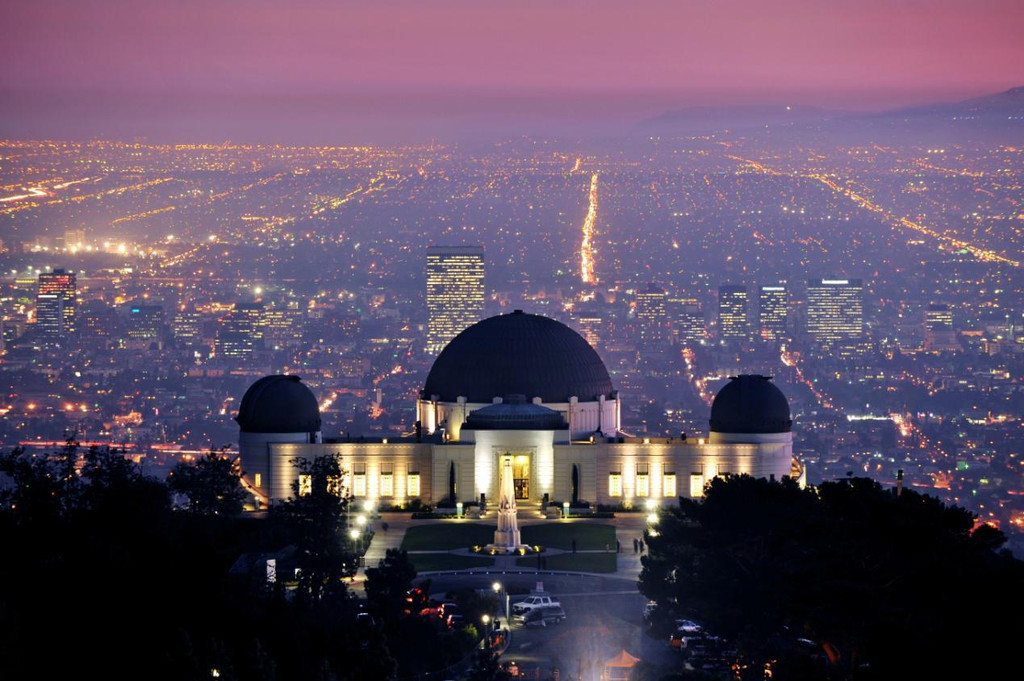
499,591
487,629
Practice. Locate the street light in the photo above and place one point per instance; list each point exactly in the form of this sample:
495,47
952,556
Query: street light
498,590
487,629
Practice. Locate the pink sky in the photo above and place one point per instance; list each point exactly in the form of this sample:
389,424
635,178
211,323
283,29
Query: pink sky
865,52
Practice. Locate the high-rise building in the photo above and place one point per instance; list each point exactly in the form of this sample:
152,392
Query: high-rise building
772,311
55,305
145,323
651,316
589,325
835,312
241,331
187,328
687,320
455,292
939,334
732,312
282,325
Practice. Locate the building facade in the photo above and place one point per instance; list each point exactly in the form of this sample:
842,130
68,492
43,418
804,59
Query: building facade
835,313
455,292
773,308
528,389
732,312
56,303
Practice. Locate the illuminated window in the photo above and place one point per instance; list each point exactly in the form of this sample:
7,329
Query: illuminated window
668,482
643,485
387,485
643,481
615,485
413,484
305,484
258,480
359,485
696,485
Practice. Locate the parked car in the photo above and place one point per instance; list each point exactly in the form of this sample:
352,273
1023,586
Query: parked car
534,602
542,617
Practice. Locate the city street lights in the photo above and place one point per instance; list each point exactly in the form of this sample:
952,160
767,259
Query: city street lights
487,628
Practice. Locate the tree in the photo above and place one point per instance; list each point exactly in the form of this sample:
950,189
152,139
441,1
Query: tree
882,586
388,583
314,518
212,484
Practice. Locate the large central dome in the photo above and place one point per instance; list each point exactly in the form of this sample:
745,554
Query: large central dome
518,353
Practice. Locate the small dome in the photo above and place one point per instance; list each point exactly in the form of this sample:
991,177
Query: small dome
279,404
518,353
515,413
750,404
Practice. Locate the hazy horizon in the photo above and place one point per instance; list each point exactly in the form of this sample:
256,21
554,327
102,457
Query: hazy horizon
328,72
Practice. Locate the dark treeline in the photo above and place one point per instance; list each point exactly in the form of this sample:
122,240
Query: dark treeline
103,575
846,580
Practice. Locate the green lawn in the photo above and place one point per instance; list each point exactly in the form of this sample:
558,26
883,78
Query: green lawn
580,562
429,562
450,535
557,535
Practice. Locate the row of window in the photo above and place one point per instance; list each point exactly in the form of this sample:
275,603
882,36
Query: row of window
643,485
385,484
642,480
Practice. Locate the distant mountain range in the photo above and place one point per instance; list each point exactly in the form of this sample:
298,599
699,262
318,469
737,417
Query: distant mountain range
1000,110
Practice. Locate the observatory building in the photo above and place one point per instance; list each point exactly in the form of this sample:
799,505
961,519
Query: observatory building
529,390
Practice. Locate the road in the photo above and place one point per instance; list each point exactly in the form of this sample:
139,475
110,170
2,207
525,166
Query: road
604,615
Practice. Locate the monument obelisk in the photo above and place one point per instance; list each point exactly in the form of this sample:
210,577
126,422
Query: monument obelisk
506,537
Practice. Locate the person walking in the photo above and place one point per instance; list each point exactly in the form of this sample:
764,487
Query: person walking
635,545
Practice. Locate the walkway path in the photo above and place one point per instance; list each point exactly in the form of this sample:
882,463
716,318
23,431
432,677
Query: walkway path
628,526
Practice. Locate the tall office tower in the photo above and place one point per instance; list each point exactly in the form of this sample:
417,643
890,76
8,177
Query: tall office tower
455,292
774,306
282,325
687,320
241,331
252,314
835,312
589,325
55,305
145,323
732,312
651,316
939,335
187,329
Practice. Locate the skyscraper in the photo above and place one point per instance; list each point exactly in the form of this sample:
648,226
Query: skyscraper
455,292
939,334
835,312
145,323
241,332
772,311
651,316
732,312
55,305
